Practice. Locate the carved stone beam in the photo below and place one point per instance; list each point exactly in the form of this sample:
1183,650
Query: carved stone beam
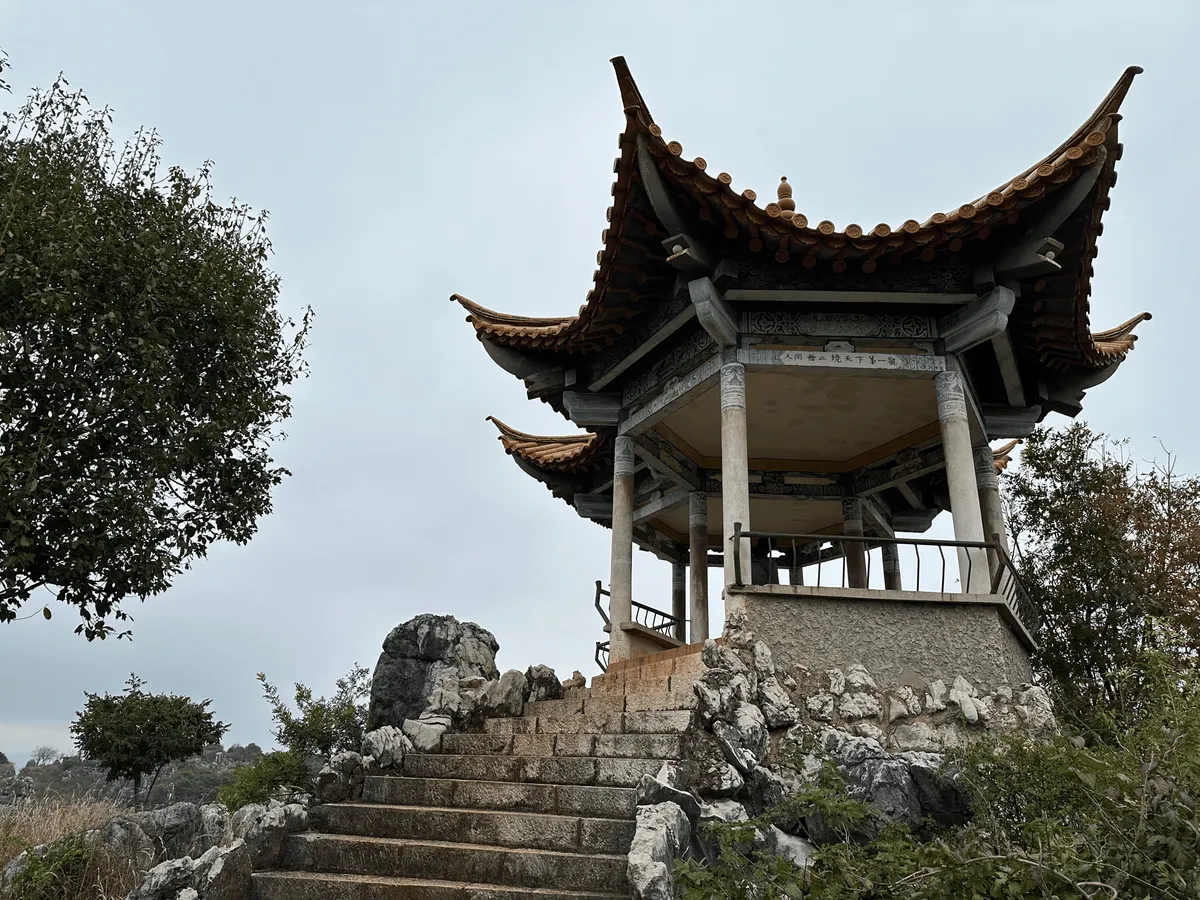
979,322
1010,422
593,506
682,471
659,544
908,465
1035,253
714,313
593,410
916,521
656,506
686,253
909,493
874,509
545,383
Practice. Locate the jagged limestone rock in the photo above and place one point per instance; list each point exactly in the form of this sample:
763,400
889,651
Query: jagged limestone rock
743,739
543,683
387,746
505,698
662,835
341,778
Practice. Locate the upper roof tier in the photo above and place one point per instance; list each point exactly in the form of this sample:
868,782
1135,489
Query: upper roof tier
1050,324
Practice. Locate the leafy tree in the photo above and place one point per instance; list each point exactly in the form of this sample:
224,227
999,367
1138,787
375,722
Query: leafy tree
44,755
257,783
323,727
143,362
135,734
1111,555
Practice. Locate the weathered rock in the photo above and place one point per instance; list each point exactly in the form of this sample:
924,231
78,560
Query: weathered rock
543,683
796,850
940,793
837,681
214,817
166,881
776,705
1034,707
704,769
241,820
575,681
718,692
220,873
744,738
859,679
935,700
821,706
427,653
505,698
652,790
904,702
724,810
859,706
963,693
341,778
176,830
662,835
426,735
716,656
764,789
266,835
387,745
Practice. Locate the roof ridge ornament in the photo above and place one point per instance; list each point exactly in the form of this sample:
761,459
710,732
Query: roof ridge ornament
787,206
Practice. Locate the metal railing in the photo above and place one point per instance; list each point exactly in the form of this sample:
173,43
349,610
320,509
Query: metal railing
646,616
804,550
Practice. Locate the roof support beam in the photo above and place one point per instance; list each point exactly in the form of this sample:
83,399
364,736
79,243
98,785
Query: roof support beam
1035,253
909,465
657,454
594,506
670,397
713,312
686,253
918,521
686,315
660,504
1010,422
984,319
909,298
1010,373
593,410
659,544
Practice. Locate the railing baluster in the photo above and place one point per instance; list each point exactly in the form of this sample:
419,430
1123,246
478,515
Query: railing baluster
943,556
917,550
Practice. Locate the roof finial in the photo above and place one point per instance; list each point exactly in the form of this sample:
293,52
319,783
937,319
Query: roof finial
787,205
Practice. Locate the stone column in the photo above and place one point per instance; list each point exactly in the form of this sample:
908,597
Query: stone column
856,553
620,583
679,599
960,473
698,564
891,567
989,502
735,467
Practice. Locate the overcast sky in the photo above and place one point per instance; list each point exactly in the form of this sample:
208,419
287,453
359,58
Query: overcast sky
407,151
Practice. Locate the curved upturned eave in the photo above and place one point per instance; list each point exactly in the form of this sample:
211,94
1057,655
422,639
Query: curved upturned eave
561,454
573,334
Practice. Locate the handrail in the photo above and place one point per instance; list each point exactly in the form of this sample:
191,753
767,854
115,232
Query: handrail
602,648
1005,580
600,591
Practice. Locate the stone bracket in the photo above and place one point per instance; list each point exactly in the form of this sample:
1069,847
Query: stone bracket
593,410
1010,422
687,255
545,383
594,506
658,456
657,505
984,319
714,313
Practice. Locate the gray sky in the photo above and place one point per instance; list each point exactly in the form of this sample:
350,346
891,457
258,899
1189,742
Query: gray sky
407,151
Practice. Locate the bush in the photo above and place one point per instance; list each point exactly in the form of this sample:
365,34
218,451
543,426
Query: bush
323,727
259,782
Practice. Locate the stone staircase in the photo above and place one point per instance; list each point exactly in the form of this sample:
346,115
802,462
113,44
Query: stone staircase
540,806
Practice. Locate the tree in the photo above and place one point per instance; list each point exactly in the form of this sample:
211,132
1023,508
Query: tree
323,727
1111,555
135,734
143,362
44,755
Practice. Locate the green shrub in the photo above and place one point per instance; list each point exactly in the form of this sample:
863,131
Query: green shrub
73,869
323,727
259,782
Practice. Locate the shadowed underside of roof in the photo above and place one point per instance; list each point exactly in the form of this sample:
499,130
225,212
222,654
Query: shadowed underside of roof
1051,323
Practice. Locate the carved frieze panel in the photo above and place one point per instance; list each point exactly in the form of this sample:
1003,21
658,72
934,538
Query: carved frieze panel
781,489
837,324
697,344
899,362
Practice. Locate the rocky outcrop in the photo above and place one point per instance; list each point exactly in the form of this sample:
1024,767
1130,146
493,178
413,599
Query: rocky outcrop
432,666
342,778
543,683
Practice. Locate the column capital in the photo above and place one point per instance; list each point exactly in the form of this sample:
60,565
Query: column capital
852,509
951,400
985,467
697,508
622,456
733,386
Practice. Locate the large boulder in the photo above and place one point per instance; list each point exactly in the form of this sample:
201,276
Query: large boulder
341,778
387,746
431,654
744,737
177,830
543,683
662,835
220,873
506,697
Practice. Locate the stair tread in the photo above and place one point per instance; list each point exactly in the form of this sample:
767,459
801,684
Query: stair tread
399,881
471,810
484,781
419,842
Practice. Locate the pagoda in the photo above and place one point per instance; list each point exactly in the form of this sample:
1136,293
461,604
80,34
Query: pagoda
768,394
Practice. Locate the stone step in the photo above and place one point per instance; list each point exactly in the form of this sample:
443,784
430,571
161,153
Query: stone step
555,799
446,861
607,746
671,721
328,886
538,770
532,831
652,697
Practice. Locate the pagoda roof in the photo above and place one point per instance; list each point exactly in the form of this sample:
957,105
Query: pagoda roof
1051,323
563,453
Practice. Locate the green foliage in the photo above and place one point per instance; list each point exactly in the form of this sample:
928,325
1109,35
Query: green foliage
53,875
257,783
143,363
323,727
135,734
1061,820
1111,555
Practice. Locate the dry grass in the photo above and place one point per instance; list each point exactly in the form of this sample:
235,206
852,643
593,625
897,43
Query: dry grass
105,876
